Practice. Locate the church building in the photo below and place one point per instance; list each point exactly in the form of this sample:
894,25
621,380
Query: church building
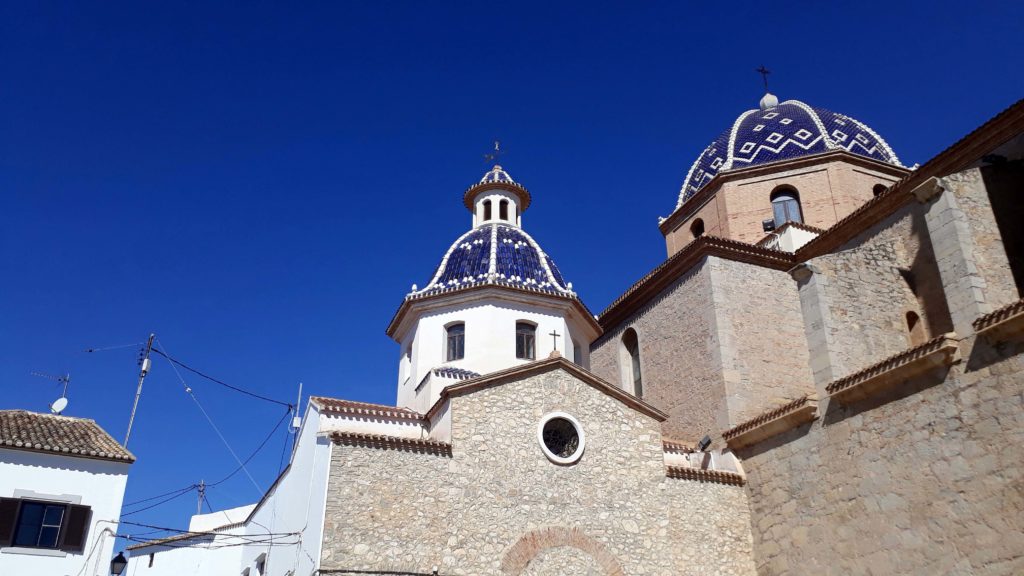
824,376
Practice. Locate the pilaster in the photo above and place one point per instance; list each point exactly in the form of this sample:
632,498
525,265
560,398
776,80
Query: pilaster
814,303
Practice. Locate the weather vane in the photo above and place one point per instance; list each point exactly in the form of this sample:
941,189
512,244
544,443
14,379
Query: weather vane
764,74
496,154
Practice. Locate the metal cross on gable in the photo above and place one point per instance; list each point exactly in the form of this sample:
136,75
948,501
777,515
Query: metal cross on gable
554,338
496,154
764,72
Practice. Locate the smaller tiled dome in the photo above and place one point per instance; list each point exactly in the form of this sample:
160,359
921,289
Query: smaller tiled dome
496,254
781,131
497,174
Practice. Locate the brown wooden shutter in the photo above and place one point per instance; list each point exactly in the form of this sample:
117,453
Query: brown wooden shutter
8,516
76,528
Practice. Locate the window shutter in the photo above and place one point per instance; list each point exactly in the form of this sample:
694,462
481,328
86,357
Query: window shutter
8,516
76,528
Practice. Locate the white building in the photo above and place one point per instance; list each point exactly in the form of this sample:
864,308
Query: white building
62,482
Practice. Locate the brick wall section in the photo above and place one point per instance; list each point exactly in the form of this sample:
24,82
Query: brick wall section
930,482
753,325
678,355
829,191
402,511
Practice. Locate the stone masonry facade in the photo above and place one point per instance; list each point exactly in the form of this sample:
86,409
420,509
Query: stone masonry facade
497,505
925,480
708,357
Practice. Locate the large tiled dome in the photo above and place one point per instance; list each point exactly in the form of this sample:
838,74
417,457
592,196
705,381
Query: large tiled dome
496,254
780,132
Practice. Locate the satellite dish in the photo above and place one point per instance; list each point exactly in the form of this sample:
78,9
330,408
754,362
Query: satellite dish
59,405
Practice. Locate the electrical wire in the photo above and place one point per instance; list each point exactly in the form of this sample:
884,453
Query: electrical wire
175,497
127,504
255,452
117,347
216,381
188,390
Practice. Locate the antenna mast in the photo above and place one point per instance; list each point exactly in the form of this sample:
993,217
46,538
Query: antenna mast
144,364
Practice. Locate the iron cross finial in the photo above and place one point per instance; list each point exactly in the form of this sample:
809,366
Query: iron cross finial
554,338
764,72
493,156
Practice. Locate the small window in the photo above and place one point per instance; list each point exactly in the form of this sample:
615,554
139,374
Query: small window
697,228
261,564
879,189
577,353
526,336
786,206
503,210
245,572
487,210
39,525
632,347
456,342
916,329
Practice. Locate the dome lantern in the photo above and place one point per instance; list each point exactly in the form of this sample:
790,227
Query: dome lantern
497,198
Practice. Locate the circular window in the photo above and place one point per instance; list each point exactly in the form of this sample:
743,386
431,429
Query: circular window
561,438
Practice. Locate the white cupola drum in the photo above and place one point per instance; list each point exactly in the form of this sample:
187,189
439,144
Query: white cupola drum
497,199
496,300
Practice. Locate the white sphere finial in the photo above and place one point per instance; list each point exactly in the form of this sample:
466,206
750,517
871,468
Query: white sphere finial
769,100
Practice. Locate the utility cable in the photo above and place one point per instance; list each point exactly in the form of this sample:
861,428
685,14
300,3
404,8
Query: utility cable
117,347
255,452
127,504
188,390
175,497
216,381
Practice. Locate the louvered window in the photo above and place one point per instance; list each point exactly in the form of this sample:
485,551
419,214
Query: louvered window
40,524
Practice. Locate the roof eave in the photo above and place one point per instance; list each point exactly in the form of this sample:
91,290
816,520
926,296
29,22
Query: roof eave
551,363
408,303
655,281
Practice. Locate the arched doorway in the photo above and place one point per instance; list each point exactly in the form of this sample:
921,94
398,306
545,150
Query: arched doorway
557,550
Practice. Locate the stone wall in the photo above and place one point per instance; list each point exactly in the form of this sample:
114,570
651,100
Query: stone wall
709,347
872,283
762,348
496,505
987,245
926,480
678,356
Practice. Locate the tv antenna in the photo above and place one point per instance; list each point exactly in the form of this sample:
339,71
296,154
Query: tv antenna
60,404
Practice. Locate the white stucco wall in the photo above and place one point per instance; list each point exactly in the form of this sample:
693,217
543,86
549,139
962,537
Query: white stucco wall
98,484
490,341
295,506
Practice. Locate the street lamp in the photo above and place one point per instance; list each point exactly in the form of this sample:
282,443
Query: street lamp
117,564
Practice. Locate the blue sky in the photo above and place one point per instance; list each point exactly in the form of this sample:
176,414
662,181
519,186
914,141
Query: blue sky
261,183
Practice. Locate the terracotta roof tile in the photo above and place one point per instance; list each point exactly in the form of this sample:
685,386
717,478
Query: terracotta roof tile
337,405
81,437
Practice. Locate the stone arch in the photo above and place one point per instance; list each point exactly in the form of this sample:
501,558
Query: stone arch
535,542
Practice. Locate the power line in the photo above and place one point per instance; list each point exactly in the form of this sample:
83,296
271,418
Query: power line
185,489
255,452
175,497
117,347
188,390
221,382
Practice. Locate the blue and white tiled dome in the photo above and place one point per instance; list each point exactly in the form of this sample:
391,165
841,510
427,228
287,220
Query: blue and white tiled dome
496,254
781,131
